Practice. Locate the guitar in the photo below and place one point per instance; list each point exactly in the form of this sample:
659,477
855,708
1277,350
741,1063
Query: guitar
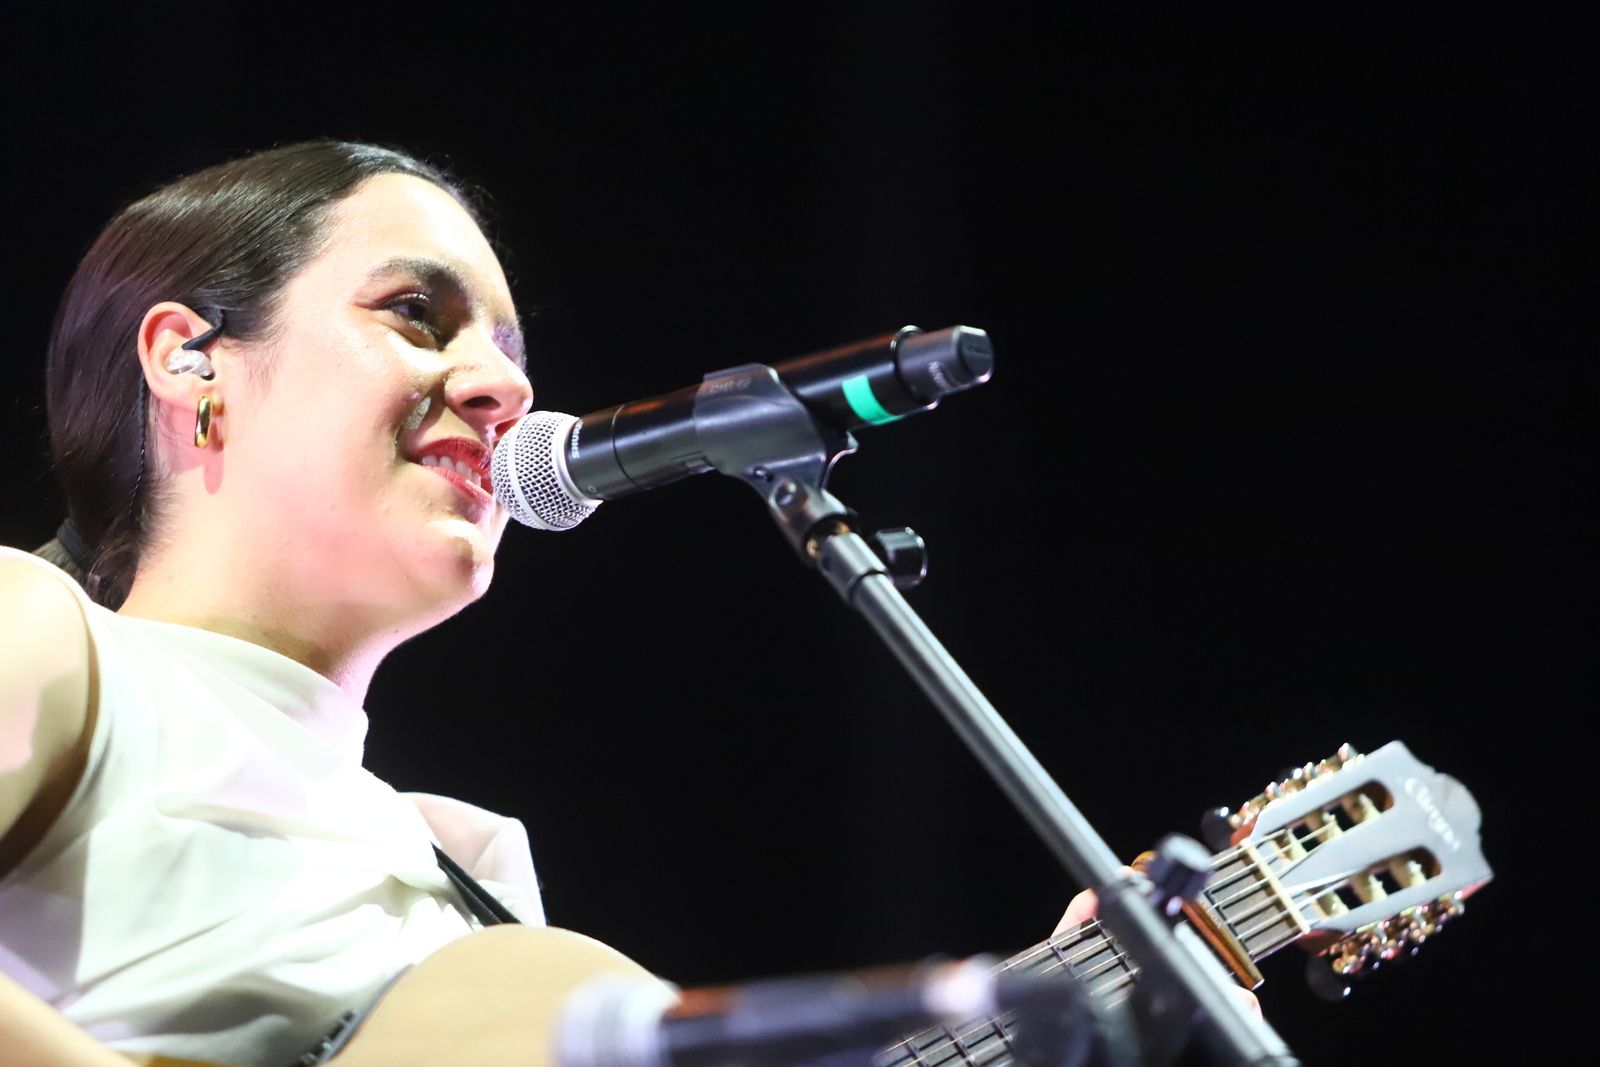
1361,857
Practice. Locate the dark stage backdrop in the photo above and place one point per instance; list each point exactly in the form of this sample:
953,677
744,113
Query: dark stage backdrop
1281,450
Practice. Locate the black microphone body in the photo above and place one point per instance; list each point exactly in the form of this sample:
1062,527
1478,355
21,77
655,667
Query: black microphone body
647,443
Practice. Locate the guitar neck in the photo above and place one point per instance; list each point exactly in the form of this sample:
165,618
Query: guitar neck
1242,909
1087,952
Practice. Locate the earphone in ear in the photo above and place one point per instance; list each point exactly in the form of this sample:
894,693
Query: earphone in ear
186,360
191,358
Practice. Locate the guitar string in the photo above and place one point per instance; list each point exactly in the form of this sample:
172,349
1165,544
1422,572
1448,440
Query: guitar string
1310,890
1332,885
1047,948
1310,842
937,1053
1310,901
1085,931
1088,929
1088,977
933,1054
1053,968
1257,886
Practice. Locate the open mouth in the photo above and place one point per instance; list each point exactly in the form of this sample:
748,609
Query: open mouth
462,462
464,471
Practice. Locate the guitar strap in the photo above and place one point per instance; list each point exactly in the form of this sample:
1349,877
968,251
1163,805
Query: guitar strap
484,907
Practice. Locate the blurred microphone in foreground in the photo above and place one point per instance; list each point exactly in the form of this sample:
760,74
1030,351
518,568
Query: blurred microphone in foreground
977,1015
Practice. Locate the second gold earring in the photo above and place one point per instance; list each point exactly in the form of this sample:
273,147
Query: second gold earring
202,420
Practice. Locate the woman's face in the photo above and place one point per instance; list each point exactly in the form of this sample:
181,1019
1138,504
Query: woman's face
398,359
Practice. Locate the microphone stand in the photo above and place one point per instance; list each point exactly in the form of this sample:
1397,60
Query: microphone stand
751,427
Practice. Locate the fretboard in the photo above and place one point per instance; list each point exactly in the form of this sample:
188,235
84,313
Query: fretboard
1086,951
1241,896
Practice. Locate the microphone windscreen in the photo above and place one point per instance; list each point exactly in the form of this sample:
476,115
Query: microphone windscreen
529,472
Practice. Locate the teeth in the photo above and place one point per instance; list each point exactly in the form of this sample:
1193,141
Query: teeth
461,467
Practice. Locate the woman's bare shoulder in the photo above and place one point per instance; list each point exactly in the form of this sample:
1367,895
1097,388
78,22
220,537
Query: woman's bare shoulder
46,685
38,605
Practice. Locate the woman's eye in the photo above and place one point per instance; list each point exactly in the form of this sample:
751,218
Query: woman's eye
417,310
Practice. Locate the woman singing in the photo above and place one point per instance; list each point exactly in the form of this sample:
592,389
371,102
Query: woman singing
273,390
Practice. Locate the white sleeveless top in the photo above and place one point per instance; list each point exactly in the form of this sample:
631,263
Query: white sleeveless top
227,879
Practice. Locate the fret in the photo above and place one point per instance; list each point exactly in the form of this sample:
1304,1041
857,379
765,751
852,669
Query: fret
962,1049
908,1052
1040,959
1062,956
987,1043
1245,898
1095,958
1002,1030
926,1048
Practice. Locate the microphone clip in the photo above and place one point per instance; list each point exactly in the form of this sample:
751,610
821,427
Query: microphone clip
750,426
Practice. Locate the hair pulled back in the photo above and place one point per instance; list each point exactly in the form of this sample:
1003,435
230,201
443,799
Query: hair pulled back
225,241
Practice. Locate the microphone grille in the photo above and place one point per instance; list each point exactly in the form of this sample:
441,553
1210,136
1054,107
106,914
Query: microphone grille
529,472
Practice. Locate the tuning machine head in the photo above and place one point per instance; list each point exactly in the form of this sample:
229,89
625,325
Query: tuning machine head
1292,781
1384,942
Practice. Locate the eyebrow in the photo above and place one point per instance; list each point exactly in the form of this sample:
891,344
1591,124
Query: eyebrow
437,274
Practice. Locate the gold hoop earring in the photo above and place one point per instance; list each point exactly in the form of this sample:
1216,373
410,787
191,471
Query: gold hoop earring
202,421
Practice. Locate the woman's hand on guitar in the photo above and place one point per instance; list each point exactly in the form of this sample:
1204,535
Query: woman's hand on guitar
1082,908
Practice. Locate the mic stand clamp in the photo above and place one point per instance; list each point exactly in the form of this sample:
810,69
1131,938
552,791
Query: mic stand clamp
904,553
749,426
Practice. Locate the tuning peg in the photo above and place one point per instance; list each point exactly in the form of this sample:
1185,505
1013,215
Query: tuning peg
1434,916
1383,946
1398,941
1291,780
1348,957
1417,924
1346,754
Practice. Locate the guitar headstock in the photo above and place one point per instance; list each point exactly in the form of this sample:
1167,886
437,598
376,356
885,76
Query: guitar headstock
1369,854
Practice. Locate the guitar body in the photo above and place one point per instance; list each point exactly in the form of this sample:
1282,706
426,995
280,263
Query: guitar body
491,999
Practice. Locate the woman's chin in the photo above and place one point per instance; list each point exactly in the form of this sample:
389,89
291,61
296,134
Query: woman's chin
457,561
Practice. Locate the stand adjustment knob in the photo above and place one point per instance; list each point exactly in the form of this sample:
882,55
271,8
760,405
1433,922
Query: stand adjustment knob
1177,871
905,555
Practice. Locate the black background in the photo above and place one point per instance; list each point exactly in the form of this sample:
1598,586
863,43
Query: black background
1282,449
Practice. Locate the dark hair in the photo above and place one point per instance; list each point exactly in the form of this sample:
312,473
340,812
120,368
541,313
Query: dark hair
225,241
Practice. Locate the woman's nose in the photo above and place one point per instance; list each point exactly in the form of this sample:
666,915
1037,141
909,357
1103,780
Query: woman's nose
487,389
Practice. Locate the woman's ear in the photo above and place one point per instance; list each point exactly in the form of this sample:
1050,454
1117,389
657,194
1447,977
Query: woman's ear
178,376
175,374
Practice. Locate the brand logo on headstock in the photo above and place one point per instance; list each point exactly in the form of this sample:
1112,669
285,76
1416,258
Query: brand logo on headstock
1436,820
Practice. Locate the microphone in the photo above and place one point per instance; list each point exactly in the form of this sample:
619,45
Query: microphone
551,470
618,1021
